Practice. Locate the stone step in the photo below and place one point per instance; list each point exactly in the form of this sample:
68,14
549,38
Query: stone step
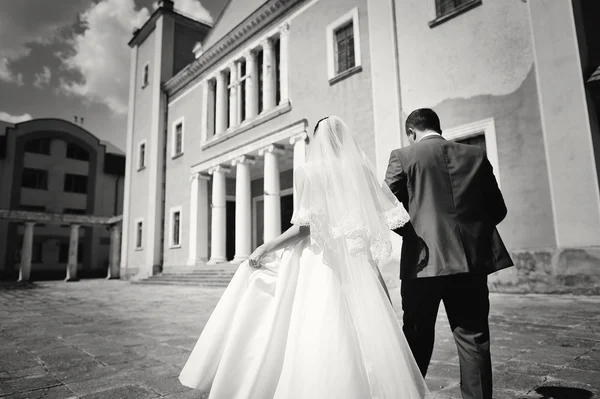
181,283
192,277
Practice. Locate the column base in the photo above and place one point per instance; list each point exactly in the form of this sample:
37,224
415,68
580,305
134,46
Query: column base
111,277
196,261
239,259
216,261
71,279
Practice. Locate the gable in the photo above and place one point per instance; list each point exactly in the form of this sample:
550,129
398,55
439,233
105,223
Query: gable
232,15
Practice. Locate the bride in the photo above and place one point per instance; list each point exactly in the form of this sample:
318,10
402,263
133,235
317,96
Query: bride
314,321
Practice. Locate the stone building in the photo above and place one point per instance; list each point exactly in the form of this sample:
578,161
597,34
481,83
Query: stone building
60,188
219,116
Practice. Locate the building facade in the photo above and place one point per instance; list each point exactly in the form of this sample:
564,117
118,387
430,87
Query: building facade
212,144
50,171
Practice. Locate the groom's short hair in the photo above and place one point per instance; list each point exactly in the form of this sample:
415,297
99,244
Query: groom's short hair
423,119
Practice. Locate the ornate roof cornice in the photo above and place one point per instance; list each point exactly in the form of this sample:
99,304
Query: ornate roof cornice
264,16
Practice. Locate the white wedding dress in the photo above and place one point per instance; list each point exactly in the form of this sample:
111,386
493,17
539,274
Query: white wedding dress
313,323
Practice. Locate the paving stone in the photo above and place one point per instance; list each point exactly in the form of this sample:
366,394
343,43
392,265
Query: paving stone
525,367
124,392
58,392
18,385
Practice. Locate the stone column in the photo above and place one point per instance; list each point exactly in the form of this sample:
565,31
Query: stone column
114,270
26,248
299,143
204,112
221,104
233,94
251,85
269,78
243,209
198,233
73,246
272,193
284,34
219,216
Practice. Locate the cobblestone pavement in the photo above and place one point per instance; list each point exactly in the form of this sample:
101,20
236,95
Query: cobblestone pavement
112,339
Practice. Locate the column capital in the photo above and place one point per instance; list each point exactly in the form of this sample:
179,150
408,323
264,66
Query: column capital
244,159
266,43
223,169
284,30
74,226
199,176
220,76
298,137
248,54
272,149
29,224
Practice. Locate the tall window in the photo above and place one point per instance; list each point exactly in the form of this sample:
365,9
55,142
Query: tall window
243,91
277,49
75,183
75,151
37,251
228,99
444,7
259,68
38,146
344,48
63,252
176,228
34,178
146,78
139,230
177,139
142,156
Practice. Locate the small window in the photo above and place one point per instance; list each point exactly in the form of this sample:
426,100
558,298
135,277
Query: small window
146,78
139,231
343,47
38,146
75,151
34,178
476,140
448,9
176,228
75,183
74,211
177,139
142,155
37,251
32,208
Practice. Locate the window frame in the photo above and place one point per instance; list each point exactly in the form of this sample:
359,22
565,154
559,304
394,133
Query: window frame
352,17
172,212
141,162
75,176
36,141
487,127
441,18
174,153
146,75
78,151
41,172
139,235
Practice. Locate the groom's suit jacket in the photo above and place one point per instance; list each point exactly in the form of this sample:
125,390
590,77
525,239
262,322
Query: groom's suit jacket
454,203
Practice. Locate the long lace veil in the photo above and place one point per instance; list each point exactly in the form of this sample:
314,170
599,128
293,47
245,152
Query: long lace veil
350,216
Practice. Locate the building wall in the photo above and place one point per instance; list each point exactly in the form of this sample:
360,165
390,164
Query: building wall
312,97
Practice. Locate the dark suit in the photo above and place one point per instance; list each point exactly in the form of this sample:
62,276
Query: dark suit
449,248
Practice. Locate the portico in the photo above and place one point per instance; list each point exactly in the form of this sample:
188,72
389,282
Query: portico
262,162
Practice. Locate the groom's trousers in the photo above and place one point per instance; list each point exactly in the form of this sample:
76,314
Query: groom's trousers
466,300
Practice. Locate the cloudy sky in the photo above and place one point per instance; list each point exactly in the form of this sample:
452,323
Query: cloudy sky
61,58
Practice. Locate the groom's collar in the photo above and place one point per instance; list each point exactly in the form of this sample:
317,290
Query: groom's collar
430,136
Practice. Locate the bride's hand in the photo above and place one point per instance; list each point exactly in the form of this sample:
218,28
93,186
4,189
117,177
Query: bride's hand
256,256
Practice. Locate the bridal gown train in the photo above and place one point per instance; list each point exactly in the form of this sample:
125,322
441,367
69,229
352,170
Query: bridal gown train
298,329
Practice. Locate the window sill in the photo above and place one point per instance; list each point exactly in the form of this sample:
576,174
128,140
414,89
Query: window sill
175,246
145,85
177,155
142,168
345,74
139,249
248,124
454,13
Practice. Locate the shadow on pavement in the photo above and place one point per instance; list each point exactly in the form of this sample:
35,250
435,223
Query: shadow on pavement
563,393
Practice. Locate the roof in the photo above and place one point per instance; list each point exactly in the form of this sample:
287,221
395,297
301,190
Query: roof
595,77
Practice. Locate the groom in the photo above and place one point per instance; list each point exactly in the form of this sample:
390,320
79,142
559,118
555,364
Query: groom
450,246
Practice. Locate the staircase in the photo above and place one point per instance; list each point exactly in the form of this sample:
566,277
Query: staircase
201,276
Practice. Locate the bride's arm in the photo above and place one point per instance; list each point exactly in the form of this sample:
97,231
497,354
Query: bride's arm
290,237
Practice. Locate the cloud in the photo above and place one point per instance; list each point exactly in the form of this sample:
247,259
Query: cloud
7,75
25,22
100,53
42,79
195,9
6,117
